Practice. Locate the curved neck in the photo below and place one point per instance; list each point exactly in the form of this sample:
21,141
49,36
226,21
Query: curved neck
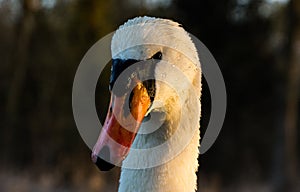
178,174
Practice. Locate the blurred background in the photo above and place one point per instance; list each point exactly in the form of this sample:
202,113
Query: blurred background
255,42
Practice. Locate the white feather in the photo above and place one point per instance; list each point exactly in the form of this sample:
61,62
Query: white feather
140,38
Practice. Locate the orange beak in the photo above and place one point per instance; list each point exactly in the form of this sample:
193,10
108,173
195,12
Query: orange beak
119,129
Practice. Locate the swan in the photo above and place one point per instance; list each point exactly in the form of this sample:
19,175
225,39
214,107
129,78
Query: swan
174,107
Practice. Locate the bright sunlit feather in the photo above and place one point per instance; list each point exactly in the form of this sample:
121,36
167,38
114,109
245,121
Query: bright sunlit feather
179,173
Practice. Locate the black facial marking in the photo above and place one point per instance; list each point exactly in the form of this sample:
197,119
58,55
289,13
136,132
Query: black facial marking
118,66
143,71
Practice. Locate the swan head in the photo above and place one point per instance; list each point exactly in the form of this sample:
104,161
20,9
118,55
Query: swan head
147,52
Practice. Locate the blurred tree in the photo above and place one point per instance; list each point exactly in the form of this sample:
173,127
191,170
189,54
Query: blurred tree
292,96
14,131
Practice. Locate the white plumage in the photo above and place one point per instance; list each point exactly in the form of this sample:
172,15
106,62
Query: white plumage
139,39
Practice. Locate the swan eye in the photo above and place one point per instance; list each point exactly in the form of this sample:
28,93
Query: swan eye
157,56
